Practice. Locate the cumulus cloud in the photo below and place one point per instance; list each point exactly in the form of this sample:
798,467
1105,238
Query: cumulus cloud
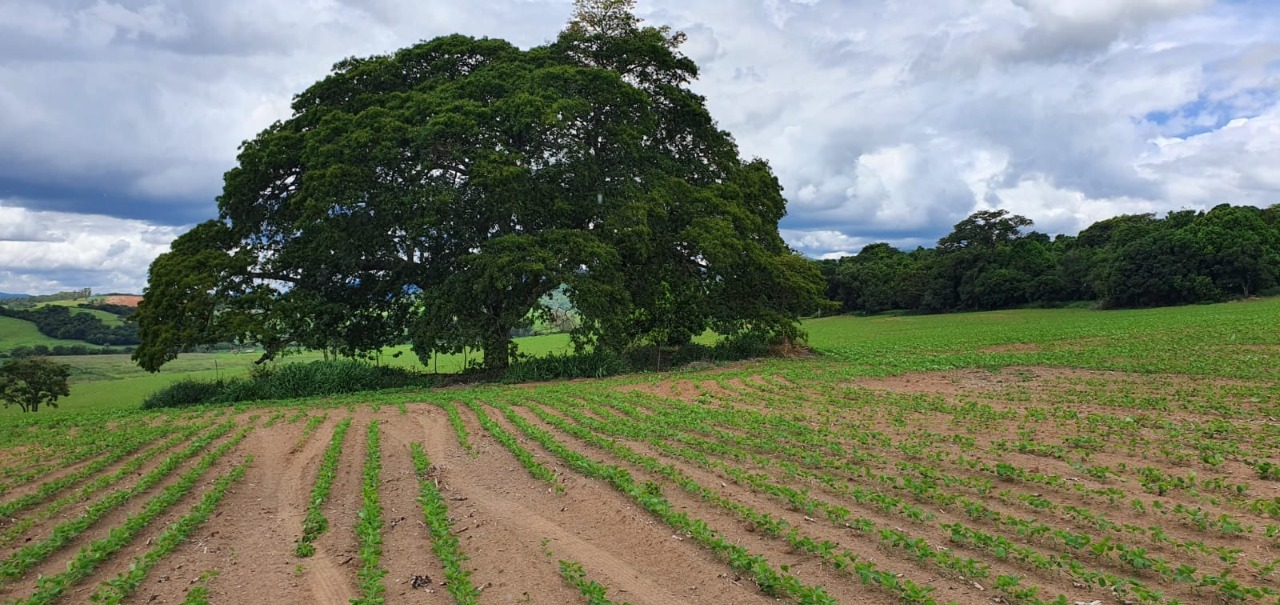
44,251
895,121
885,121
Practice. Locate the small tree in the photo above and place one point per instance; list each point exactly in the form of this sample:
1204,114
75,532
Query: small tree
32,382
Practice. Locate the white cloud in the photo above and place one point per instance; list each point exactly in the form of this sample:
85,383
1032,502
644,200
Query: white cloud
884,120
104,253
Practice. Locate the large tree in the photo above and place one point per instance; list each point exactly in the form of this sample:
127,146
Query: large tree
437,194
32,382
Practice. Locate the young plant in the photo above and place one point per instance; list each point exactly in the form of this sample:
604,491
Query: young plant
315,522
369,525
115,590
443,541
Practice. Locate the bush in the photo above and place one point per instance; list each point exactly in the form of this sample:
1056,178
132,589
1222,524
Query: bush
184,393
318,378
595,364
288,381
599,364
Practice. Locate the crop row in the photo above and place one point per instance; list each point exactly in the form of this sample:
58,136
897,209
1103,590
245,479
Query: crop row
49,588
443,541
649,496
63,533
1134,557
315,523
117,589
369,524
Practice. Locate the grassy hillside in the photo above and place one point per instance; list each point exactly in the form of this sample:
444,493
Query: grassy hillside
110,319
19,333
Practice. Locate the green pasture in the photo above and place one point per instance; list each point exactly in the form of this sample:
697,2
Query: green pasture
20,333
110,319
1230,340
107,382
1233,340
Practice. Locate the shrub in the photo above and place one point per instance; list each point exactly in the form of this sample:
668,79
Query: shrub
183,393
598,364
594,364
288,381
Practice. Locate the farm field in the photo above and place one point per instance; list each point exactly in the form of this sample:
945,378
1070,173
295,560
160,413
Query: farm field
1019,457
111,319
114,382
20,333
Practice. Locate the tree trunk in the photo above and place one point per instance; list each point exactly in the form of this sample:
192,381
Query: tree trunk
496,352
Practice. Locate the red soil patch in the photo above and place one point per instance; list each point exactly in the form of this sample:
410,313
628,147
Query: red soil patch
514,530
126,300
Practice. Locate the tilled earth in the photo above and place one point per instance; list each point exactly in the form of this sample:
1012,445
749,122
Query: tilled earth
1045,481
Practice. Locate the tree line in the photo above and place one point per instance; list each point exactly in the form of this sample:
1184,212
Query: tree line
990,261
31,301
24,351
60,322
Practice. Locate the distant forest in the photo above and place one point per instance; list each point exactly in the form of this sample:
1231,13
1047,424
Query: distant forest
989,262
61,322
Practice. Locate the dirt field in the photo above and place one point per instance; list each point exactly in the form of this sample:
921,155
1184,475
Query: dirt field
123,299
1021,485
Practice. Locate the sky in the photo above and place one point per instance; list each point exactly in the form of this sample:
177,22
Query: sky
885,120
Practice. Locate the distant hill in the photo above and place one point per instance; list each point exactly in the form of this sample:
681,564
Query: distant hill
8,296
18,333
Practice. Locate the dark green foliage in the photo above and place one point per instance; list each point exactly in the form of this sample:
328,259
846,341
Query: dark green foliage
56,321
120,310
184,393
439,193
1125,261
287,381
32,382
62,350
592,364
603,362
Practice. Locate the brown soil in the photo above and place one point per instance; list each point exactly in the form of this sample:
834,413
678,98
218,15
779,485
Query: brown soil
126,300
514,530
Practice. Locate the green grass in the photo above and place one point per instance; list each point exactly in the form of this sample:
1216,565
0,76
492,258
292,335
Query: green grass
110,319
109,382
21,333
1236,340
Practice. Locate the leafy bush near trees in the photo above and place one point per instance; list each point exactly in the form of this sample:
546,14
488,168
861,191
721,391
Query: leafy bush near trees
287,381
602,362
291,381
988,262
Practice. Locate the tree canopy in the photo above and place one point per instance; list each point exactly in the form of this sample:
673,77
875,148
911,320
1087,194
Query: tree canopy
438,193
32,382
988,262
